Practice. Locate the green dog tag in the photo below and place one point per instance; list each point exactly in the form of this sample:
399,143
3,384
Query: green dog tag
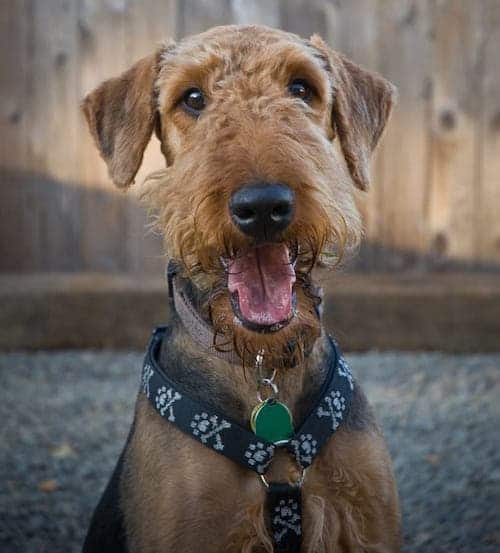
271,420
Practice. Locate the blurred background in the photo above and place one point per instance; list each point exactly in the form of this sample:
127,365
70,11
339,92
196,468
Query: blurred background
436,186
433,208
79,268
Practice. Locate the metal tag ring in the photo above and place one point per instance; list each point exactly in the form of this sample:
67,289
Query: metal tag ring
267,382
298,483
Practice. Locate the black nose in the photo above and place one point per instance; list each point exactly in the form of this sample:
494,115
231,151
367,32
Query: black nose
262,210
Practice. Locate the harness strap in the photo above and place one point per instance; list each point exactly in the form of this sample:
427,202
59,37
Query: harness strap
202,422
284,505
225,436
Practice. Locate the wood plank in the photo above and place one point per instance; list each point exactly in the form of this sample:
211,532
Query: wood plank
403,162
52,225
195,17
16,241
53,71
489,140
15,253
304,18
353,29
258,12
14,30
103,210
452,202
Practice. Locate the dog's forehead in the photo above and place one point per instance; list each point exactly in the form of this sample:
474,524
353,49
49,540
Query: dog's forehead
243,47
234,38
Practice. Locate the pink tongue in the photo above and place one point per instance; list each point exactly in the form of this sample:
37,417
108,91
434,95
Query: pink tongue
263,278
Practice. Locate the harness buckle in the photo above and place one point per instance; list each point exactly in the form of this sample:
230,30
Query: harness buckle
267,382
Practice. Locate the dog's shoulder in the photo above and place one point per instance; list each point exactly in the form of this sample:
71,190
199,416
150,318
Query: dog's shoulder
107,527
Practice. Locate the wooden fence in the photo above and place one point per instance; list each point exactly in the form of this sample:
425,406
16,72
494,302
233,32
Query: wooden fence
436,191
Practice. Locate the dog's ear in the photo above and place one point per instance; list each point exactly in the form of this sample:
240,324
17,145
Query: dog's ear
362,103
121,115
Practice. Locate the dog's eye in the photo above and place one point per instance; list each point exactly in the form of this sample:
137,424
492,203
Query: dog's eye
300,88
194,101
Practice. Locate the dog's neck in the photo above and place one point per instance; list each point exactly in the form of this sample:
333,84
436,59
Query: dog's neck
218,377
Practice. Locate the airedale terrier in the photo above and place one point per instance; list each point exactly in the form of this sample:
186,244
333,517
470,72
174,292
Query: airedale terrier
265,136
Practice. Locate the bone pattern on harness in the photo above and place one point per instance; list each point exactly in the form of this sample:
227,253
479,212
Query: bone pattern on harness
164,401
284,504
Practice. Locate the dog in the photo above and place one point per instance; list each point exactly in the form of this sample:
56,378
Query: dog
266,137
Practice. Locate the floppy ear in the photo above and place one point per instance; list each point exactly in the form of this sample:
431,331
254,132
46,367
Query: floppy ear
121,115
362,103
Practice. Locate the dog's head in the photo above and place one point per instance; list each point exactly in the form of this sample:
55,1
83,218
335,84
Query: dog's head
265,136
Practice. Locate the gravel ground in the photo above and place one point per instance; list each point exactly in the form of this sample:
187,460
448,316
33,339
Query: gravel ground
65,417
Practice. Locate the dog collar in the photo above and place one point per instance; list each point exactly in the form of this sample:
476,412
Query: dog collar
223,435
199,330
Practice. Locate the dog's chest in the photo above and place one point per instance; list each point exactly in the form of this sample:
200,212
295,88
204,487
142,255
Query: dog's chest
179,493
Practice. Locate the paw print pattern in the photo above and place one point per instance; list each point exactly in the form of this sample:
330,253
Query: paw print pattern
304,448
286,519
333,407
259,456
208,429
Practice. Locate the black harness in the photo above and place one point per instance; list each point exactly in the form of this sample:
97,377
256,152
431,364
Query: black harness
219,432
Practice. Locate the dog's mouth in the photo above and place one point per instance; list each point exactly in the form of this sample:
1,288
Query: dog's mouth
260,281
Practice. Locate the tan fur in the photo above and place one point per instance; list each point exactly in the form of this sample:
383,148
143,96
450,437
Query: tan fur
174,490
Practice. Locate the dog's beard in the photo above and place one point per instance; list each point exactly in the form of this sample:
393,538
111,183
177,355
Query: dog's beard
284,343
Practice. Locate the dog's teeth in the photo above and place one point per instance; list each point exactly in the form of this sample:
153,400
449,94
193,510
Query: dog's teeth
224,262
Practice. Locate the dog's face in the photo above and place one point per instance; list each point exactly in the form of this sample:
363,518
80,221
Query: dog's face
265,137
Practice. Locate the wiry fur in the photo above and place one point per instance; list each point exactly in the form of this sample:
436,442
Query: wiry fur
172,489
